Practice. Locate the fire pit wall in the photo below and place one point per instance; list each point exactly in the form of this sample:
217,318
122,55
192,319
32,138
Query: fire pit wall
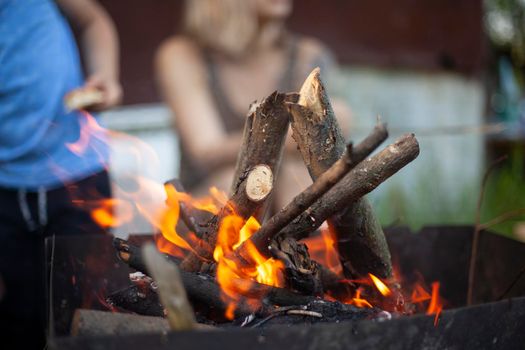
84,269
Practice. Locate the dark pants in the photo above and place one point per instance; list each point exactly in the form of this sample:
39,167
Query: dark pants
26,218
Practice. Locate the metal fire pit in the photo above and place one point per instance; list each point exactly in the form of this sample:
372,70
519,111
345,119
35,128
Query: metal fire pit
84,269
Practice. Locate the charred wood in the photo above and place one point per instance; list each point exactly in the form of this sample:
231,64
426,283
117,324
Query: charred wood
142,301
202,289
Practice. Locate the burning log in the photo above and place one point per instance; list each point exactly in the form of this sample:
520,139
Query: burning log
262,143
366,176
307,276
203,289
257,165
252,263
359,181
321,143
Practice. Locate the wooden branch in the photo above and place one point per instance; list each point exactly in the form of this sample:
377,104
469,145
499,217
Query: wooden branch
262,144
301,273
254,189
315,127
170,289
365,177
321,143
353,155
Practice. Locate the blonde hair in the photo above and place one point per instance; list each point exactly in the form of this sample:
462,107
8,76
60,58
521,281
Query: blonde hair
228,26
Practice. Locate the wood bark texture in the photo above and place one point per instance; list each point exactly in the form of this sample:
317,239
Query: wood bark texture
263,141
321,143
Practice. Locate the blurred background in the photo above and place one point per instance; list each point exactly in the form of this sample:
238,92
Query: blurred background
452,72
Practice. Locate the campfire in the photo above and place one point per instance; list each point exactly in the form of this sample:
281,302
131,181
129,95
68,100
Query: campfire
222,263
226,262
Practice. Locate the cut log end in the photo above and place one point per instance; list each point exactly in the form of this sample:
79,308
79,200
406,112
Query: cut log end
310,92
259,183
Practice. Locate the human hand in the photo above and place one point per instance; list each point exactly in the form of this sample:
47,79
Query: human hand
110,89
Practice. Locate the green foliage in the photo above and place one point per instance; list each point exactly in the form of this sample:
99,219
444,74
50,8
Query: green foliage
505,191
427,204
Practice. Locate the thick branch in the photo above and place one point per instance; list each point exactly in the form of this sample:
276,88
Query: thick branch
320,141
315,127
263,142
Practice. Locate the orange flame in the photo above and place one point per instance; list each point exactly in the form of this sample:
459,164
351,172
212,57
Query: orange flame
233,231
322,249
419,294
358,301
381,287
435,306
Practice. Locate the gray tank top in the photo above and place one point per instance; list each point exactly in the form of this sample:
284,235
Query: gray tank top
190,174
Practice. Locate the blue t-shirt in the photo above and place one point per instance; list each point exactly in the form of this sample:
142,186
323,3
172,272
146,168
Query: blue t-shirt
39,64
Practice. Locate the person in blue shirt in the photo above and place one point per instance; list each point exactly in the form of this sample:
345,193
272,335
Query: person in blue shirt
43,181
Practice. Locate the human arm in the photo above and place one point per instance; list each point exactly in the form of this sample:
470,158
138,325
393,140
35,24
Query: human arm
182,79
99,44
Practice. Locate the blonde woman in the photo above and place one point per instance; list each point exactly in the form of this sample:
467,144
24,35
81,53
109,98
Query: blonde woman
232,53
